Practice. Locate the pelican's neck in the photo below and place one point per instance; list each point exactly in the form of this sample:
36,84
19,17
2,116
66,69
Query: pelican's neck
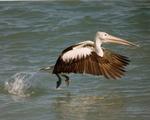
98,47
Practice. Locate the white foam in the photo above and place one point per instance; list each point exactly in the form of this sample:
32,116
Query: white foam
19,83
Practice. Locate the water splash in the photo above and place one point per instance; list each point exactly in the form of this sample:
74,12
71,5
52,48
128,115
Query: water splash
20,83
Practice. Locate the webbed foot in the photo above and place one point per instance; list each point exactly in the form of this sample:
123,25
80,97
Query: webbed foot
67,81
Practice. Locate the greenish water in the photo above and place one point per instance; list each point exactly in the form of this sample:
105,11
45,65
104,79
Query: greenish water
32,34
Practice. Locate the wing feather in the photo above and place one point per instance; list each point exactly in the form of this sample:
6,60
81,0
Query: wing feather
111,65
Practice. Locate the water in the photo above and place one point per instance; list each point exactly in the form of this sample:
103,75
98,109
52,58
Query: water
32,34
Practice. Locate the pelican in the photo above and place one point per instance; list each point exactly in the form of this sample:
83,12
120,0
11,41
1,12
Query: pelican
89,57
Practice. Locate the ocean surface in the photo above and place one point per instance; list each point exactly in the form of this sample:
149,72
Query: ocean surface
33,34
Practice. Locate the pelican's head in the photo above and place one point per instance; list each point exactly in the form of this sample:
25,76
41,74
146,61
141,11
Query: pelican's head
106,38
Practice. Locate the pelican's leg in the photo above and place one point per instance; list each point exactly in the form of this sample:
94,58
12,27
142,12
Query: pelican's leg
66,80
58,83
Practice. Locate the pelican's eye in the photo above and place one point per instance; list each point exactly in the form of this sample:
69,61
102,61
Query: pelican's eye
105,34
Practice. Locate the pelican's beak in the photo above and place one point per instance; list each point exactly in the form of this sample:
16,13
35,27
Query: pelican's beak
113,39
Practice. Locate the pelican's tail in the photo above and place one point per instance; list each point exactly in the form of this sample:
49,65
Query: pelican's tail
48,69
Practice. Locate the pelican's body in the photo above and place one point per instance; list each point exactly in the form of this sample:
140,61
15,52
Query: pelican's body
83,58
89,57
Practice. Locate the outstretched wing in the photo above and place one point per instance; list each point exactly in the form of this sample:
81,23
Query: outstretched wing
112,65
85,60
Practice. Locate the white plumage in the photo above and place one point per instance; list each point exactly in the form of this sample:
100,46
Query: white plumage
76,53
